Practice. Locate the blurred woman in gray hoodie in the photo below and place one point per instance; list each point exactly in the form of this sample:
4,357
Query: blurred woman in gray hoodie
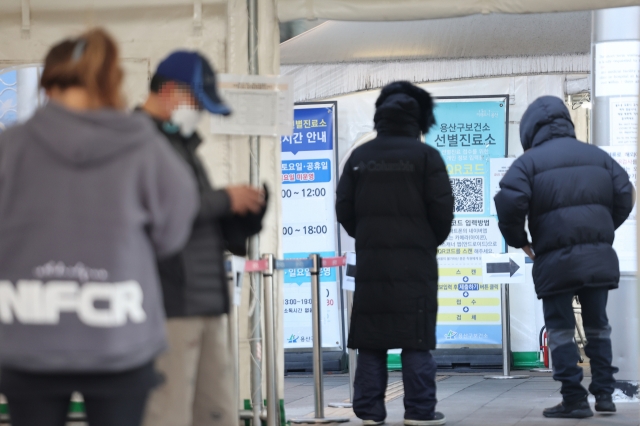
89,196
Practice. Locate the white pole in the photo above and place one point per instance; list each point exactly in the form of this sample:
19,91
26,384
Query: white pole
613,27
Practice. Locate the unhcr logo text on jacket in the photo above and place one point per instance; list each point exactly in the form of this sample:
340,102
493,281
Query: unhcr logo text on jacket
96,304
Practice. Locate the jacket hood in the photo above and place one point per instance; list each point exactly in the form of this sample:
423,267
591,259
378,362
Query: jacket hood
421,109
83,138
546,118
399,115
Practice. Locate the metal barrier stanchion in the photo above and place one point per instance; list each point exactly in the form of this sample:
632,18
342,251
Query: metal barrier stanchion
233,337
258,413
255,327
506,339
270,342
317,350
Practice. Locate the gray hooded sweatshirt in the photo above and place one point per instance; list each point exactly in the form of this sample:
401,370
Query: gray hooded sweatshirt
87,202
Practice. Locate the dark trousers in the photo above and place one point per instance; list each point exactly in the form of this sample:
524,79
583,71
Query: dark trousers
52,410
560,322
419,377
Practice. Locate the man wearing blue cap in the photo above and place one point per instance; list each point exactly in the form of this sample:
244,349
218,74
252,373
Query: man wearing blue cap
197,388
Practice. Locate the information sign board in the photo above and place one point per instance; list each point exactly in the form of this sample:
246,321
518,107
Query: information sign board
309,222
625,241
260,105
469,133
623,122
617,66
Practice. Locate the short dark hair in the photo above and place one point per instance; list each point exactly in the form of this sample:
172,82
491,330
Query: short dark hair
157,81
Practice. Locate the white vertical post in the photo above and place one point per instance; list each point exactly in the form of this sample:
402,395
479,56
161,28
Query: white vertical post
353,357
610,27
234,339
270,342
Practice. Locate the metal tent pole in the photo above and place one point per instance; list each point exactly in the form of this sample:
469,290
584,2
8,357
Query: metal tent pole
254,243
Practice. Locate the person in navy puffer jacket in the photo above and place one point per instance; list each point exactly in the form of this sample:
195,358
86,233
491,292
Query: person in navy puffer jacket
575,196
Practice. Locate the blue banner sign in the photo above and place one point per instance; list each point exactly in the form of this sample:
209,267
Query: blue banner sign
469,133
300,275
309,224
312,131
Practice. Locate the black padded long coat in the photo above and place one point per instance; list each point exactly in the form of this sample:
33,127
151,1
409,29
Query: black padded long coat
395,199
575,196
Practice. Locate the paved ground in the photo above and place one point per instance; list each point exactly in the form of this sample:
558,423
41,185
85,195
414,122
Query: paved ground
465,399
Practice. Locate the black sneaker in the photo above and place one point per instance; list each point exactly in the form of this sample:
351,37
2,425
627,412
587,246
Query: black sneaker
438,419
604,403
576,410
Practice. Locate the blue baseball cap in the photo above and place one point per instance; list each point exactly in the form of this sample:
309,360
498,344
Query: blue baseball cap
192,69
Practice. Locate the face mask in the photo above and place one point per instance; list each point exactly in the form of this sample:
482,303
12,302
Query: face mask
187,119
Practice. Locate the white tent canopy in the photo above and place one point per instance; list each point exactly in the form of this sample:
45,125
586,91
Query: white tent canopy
343,57
455,38
52,5
409,10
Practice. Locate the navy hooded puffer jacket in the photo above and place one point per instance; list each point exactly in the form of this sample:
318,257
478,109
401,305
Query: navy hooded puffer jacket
575,196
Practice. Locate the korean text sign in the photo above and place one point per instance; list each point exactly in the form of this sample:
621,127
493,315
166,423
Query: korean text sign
469,132
309,223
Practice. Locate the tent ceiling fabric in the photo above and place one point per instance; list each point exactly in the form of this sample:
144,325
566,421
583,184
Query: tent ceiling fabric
409,10
15,6
478,36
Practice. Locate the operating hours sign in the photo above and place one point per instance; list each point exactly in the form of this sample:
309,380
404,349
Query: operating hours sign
309,222
469,132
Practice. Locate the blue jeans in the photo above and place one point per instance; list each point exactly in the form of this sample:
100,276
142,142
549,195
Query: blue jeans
560,322
419,377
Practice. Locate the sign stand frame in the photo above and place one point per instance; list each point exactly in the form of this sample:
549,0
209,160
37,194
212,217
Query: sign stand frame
353,357
317,351
506,340
498,124
333,352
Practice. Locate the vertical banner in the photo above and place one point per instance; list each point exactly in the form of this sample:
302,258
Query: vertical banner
309,222
469,133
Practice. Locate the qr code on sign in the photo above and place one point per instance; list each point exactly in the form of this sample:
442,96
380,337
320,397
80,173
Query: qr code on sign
468,194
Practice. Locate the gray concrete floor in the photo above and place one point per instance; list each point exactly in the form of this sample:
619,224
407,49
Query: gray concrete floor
465,399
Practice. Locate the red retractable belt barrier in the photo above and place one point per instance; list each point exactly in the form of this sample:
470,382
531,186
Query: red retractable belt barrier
334,262
263,264
256,265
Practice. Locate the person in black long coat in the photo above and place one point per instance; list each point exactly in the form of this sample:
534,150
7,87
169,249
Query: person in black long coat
575,196
395,199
